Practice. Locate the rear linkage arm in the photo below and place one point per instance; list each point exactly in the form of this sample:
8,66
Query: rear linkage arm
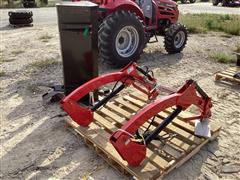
123,139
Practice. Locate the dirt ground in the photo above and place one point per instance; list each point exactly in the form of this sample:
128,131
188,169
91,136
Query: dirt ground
35,143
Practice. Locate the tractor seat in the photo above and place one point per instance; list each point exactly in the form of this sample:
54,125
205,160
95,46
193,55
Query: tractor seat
148,9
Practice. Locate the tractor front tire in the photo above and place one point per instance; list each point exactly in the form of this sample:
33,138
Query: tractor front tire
20,14
175,38
183,1
121,38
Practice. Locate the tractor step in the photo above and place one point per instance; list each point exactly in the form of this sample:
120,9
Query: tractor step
228,74
178,143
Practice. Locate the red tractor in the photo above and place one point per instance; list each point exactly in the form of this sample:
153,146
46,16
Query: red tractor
126,26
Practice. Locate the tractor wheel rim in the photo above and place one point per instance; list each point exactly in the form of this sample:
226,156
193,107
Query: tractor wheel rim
127,41
179,39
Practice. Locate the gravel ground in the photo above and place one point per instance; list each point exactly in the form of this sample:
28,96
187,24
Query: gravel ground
35,143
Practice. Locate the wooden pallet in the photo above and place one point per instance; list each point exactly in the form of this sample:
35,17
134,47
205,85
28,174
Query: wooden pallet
162,157
228,74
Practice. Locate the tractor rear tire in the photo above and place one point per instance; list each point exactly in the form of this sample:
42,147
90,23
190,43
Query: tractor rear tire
215,2
20,21
175,38
225,3
121,38
20,14
29,3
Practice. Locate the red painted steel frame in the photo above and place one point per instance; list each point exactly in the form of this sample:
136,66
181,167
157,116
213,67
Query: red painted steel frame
131,151
165,9
134,152
129,76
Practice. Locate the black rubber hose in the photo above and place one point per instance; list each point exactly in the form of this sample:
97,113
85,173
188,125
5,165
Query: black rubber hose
145,73
107,98
161,126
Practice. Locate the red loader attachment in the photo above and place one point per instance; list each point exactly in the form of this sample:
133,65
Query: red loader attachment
127,141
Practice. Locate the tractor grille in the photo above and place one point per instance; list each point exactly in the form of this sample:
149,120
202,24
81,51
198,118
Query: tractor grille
166,11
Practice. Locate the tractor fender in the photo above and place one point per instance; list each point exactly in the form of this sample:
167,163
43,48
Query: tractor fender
126,5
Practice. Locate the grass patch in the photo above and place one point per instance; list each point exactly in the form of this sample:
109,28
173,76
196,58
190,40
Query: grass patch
223,57
34,89
45,38
202,23
6,60
3,60
44,64
17,52
226,35
87,176
238,48
2,74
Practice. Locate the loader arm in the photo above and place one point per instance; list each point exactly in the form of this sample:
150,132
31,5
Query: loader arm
130,75
134,152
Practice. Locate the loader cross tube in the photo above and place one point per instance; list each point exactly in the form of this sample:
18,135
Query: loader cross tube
166,121
108,97
200,91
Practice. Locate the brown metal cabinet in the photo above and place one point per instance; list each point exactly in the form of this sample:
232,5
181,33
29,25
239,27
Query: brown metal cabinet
78,27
